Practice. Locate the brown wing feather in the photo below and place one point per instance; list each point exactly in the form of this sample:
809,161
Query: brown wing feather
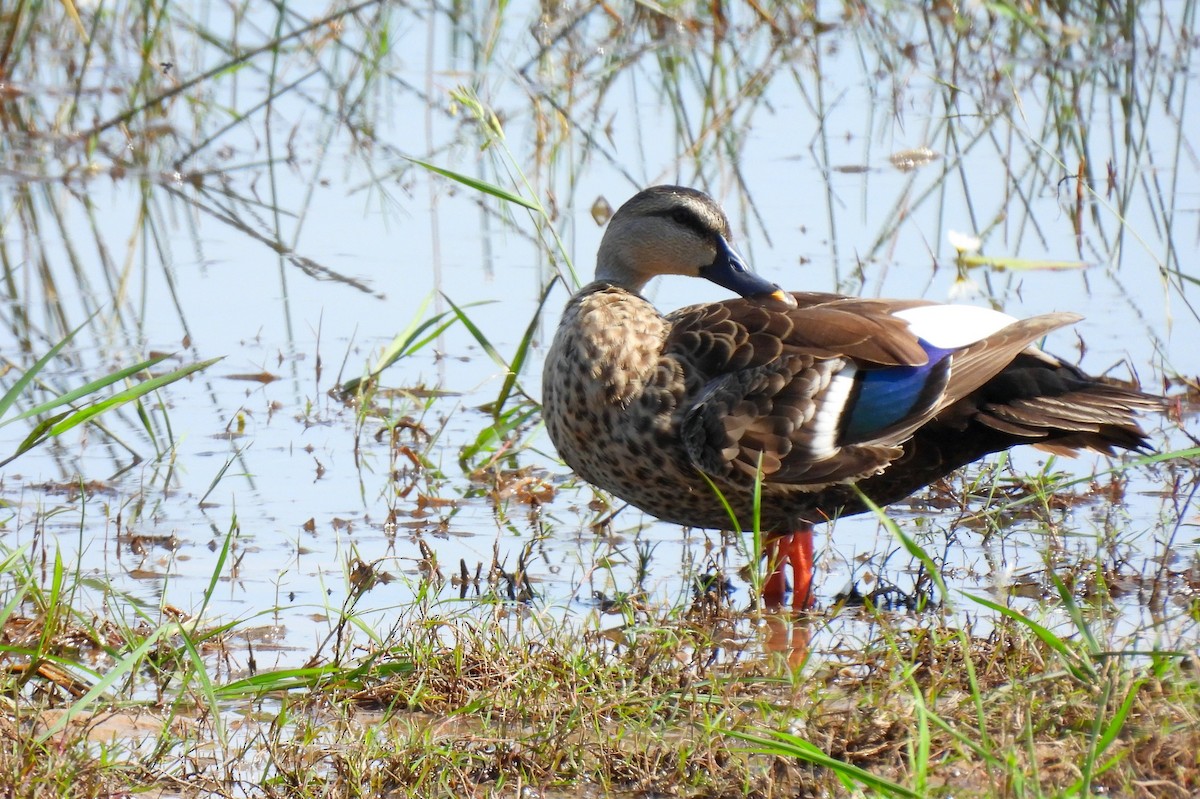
761,370
758,371
822,326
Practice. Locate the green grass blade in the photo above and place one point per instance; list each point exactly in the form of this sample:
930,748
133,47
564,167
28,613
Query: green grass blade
1075,612
87,389
407,341
783,744
200,671
118,672
280,681
19,387
734,524
518,360
979,749
67,421
1079,668
477,184
1117,723
478,335
919,749
492,437
221,473
912,547
219,566
38,434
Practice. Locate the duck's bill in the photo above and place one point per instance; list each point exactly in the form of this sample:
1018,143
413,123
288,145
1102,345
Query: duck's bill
730,271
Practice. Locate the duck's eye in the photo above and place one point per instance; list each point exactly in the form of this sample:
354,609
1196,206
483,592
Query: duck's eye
681,217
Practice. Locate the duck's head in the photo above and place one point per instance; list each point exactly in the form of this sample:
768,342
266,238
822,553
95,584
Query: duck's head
672,230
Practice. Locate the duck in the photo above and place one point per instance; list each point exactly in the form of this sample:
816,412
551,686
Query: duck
779,410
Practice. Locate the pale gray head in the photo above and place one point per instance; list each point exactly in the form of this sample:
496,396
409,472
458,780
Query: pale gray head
673,230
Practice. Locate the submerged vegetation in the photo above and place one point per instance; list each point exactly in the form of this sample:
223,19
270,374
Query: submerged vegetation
352,568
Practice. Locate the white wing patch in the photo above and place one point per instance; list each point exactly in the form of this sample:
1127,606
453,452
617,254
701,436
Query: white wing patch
948,327
828,418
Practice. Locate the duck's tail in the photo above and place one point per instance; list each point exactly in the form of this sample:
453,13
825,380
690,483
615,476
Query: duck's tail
1038,399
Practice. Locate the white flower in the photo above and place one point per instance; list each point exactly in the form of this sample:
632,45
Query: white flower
963,242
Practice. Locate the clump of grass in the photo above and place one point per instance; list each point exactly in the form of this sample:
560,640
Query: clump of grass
461,698
665,706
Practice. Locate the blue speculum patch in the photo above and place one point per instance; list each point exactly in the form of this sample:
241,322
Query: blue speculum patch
884,396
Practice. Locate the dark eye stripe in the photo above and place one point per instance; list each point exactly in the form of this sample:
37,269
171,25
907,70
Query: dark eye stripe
688,218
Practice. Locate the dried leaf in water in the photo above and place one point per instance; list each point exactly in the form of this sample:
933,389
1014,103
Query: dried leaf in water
256,377
601,211
908,160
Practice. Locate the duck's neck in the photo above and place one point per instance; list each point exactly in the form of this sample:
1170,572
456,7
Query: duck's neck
613,271
625,286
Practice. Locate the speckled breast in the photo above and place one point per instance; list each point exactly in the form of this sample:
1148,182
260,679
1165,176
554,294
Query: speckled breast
612,405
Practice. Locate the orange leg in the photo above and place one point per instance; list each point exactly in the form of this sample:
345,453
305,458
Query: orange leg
794,549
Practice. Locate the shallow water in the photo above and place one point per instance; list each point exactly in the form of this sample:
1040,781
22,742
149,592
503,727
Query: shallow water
808,139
